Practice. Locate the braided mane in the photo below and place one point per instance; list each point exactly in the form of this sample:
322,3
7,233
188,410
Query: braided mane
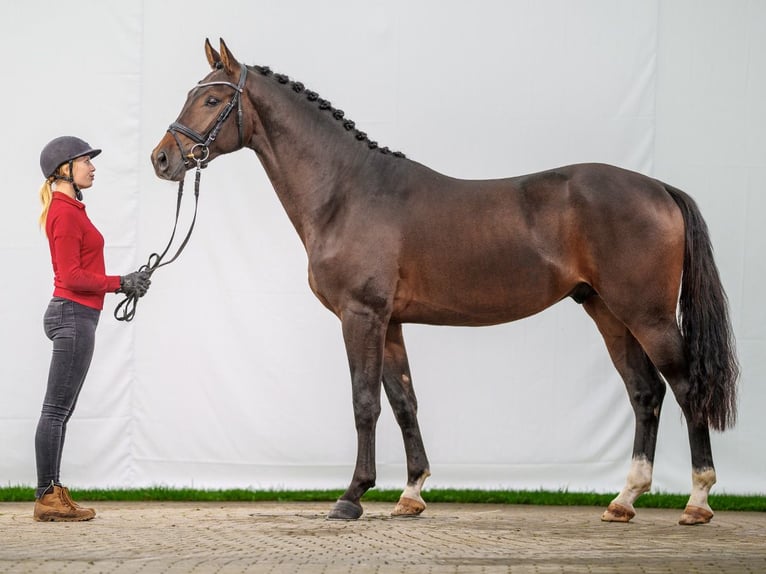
325,106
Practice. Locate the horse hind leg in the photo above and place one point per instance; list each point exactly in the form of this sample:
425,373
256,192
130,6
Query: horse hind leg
664,346
397,382
646,391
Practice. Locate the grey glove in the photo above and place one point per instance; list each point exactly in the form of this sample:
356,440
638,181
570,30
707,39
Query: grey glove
136,283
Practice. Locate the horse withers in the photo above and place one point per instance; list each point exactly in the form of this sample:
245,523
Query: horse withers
390,241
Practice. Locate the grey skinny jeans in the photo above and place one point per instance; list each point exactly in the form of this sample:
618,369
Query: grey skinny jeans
72,328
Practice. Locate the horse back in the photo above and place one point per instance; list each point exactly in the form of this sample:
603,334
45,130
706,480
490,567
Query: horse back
492,251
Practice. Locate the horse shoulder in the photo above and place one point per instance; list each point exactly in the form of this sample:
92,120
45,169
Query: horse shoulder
355,262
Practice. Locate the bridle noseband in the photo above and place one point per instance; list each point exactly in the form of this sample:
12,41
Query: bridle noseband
203,141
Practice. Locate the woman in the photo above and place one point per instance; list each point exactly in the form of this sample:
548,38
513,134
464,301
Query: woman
80,283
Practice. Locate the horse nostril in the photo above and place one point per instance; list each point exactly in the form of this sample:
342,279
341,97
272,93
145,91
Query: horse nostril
161,161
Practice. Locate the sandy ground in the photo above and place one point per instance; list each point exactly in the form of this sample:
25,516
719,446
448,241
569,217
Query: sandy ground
296,537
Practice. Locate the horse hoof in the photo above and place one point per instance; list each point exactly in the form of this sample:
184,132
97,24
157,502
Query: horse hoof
345,510
617,513
695,515
408,507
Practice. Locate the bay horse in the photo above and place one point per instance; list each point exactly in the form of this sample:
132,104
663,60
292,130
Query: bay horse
390,241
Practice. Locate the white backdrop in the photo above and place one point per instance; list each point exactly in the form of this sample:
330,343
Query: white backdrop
232,374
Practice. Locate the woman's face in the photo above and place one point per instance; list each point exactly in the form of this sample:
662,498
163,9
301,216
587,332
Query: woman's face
84,172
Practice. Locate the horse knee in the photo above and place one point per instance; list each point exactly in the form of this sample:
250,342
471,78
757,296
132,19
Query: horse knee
366,417
406,412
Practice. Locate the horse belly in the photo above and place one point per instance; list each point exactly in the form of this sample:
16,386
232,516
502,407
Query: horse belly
480,294
433,313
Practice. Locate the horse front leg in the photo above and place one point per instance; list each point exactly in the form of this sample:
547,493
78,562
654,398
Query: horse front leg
363,333
397,382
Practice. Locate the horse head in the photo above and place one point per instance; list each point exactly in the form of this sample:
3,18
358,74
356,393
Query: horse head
212,121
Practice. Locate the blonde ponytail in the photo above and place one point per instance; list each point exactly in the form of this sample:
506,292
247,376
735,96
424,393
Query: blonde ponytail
46,196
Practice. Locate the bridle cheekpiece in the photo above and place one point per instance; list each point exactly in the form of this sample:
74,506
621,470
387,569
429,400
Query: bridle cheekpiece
203,141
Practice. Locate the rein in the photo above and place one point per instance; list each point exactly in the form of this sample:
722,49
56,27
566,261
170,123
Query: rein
126,309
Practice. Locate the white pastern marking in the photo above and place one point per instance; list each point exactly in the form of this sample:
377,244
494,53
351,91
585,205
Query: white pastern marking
413,490
702,481
639,481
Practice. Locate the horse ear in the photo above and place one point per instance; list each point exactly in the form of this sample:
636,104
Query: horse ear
213,58
230,63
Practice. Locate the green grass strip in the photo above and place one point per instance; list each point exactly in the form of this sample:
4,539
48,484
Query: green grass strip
754,503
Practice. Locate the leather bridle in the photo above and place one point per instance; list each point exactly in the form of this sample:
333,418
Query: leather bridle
126,309
203,141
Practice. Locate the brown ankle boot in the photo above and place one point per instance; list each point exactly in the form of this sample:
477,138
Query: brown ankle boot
57,506
73,503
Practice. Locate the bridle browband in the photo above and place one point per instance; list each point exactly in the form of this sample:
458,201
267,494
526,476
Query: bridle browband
126,309
203,141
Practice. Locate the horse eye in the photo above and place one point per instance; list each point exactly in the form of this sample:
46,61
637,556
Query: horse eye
211,101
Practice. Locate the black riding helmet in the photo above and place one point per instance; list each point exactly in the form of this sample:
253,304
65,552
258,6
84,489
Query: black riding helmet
64,149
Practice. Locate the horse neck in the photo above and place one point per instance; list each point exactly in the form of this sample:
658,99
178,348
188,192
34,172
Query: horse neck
308,156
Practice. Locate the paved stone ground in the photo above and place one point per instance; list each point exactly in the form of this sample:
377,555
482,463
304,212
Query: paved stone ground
281,538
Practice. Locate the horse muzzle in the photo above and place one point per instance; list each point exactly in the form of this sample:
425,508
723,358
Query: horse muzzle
167,161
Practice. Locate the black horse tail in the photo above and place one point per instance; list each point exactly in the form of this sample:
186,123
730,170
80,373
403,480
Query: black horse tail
705,325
